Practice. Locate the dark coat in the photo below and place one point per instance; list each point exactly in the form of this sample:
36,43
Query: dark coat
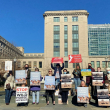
28,77
55,69
78,73
89,78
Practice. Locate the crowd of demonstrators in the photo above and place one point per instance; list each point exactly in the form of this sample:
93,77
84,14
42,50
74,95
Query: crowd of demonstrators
35,90
57,73
10,84
50,92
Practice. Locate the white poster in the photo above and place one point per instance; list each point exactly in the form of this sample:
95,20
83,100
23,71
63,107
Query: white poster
8,65
21,94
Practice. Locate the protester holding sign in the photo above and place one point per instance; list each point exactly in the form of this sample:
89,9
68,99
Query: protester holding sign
57,73
36,88
65,90
50,89
8,86
77,76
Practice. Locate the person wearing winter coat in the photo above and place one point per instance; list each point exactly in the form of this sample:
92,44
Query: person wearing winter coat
8,86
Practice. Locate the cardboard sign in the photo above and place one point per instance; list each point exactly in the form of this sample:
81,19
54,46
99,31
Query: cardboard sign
57,60
97,78
103,98
86,72
22,94
8,65
75,58
66,81
82,95
35,79
20,76
49,83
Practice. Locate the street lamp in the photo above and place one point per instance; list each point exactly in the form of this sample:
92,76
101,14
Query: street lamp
106,60
14,65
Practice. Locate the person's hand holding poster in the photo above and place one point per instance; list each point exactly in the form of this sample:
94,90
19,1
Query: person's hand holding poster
49,83
82,95
85,72
66,81
35,79
57,60
20,76
97,78
103,98
8,65
22,94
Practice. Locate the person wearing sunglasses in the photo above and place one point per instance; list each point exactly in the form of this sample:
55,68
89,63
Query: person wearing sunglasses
50,92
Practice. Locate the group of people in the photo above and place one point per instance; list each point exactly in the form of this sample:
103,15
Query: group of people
78,80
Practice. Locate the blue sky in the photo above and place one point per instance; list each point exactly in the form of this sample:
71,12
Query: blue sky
22,22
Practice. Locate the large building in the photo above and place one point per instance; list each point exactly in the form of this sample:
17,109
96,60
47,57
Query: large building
66,33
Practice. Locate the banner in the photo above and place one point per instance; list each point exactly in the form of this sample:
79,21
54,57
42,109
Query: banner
85,72
97,78
35,79
21,94
66,81
82,95
49,83
103,98
20,76
8,65
57,60
75,58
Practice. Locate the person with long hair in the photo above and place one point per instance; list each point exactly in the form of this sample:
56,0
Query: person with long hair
8,86
77,76
50,92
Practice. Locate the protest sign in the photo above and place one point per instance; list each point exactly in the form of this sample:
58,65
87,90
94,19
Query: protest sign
57,60
8,65
82,95
103,98
35,79
66,81
85,72
22,94
97,78
75,58
20,76
49,83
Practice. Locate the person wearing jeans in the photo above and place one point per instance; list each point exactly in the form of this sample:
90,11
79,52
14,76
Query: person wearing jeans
35,90
77,76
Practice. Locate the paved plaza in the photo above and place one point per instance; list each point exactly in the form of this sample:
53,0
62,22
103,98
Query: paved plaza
43,106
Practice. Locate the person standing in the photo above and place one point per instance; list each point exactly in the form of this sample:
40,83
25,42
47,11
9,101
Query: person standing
8,86
50,92
35,90
77,76
57,73
64,90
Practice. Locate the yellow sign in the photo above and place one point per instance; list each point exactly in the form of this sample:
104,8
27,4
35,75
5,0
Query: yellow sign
86,72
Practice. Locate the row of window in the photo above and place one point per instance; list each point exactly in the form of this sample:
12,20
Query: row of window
57,19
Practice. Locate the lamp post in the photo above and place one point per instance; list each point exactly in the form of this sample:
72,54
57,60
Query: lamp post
106,60
14,65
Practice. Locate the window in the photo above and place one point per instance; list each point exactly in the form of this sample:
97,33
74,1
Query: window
75,36
56,54
18,64
103,64
56,45
65,36
24,63
56,19
92,62
65,19
74,19
66,64
56,36
56,28
75,52
65,45
65,28
35,64
109,64
40,64
29,63
75,45
98,63
66,53
75,27
73,65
